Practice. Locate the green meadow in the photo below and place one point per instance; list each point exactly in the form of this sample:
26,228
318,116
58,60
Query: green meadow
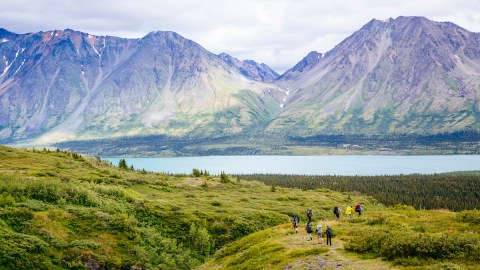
62,210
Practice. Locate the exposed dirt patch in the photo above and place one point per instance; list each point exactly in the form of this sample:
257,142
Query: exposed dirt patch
194,181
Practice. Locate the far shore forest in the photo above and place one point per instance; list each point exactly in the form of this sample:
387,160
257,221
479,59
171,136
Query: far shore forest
456,191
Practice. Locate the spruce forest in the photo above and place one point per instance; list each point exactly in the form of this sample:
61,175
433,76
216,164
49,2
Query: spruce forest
453,191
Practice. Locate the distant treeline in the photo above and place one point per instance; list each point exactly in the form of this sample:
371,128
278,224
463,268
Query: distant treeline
465,141
156,145
461,142
439,191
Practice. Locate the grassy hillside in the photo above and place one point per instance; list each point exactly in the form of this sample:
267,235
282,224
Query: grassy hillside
390,238
59,210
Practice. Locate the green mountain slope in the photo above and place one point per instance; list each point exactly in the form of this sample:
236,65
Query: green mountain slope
391,238
59,210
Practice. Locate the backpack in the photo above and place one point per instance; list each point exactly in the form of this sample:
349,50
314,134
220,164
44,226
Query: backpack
309,213
336,210
295,219
309,228
329,231
358,208
319,229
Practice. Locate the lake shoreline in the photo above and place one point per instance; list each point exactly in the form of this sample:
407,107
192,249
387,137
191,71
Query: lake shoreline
345,165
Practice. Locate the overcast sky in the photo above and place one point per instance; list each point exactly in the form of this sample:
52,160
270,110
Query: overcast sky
276,32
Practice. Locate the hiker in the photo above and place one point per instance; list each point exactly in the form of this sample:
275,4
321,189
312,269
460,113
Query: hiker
349,211
318,231
359,209
329,233
309,215
336,211
309,230
295,222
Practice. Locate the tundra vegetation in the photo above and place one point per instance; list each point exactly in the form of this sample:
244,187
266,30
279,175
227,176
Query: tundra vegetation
63,210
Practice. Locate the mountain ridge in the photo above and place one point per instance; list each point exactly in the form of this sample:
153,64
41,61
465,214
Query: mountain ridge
408,75
147,82
409,70
251,69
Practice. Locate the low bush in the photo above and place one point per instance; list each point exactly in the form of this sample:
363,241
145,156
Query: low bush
469,216
18,219
50,191
381,220
216,203
83,244
407,244
6,200
444,266
21,251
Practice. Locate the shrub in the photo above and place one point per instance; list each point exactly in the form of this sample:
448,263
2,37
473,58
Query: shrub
366,241
381,220
409,261
216,203
445,266
83,244
224,177
469,216
20,251
153,251
419,228
111,191
403,244
199,238
17,219
6,200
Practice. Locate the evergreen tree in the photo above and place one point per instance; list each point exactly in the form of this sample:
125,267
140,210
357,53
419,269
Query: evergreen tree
224,177
122,164
196,173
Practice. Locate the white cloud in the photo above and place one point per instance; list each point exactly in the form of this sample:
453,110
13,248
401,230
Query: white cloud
278,33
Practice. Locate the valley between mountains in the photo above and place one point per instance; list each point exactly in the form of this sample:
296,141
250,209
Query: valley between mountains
390,87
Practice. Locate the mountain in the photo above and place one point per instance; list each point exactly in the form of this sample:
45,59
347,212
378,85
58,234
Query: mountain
65,84
399,77
403,75
250,68
307,63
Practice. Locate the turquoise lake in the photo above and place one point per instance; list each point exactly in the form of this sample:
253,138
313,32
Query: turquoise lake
309,165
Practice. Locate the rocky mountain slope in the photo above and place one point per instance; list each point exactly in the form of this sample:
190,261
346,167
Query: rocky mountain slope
408,75
250,68
400,75
68,85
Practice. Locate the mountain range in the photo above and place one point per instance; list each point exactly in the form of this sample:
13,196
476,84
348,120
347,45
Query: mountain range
404,75
66,84
408,75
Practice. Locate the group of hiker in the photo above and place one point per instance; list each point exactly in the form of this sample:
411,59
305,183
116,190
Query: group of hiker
349,212
329,231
